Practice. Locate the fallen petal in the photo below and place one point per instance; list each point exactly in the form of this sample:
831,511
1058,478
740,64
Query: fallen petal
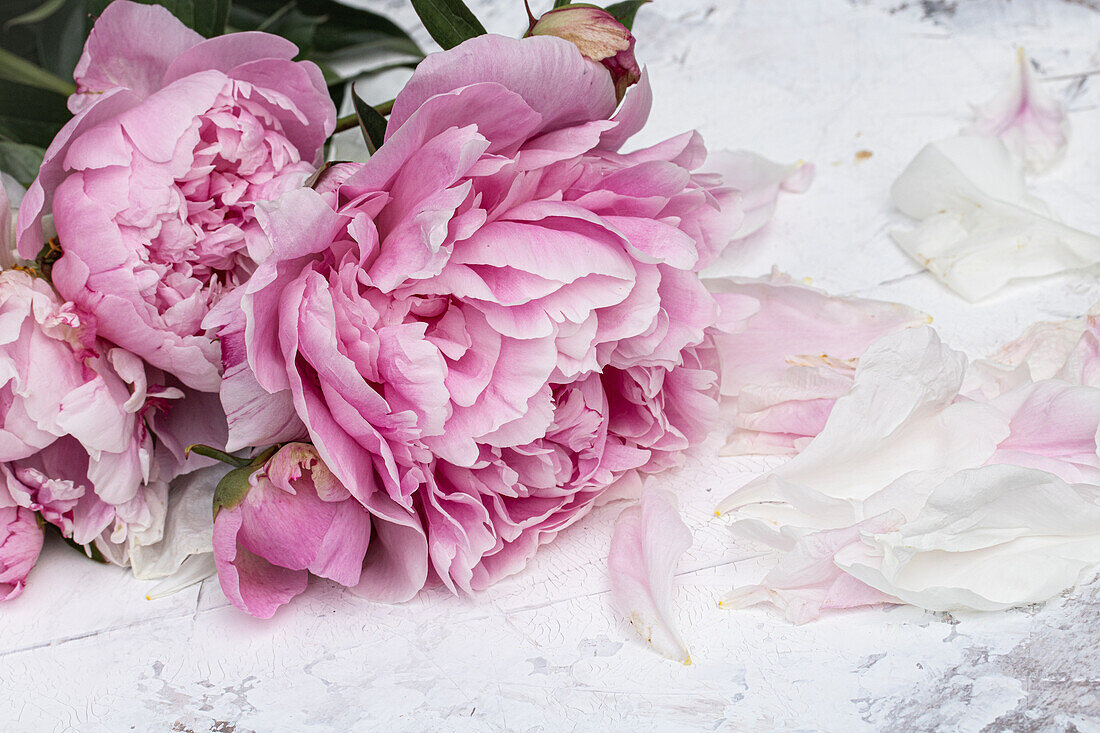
648,541
987,539
980,228
1031,123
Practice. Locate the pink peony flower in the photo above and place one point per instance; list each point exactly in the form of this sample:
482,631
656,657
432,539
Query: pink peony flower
152,185
20,543
73,442
497,317
294,519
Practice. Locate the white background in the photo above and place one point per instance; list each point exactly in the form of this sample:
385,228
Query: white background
82,649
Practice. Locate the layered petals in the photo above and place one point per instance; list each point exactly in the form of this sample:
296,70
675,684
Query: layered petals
154,183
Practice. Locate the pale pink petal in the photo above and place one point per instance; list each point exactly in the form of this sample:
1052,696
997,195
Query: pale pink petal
117,55
647,543
1031,122
759,182
806,580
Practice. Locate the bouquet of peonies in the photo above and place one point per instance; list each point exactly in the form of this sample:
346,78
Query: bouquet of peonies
419,367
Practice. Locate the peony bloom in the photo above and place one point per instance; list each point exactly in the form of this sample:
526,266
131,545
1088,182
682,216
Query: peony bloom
598,35
497,317
73,442
152,185
20,543
296,518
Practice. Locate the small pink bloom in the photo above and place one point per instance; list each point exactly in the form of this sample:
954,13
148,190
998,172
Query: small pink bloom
295,519
152,185
598,35
20,543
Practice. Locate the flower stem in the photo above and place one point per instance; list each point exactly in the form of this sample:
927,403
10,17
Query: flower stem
351,121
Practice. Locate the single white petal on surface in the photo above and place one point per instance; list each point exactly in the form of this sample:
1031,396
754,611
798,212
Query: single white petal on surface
188,529
759,181
648,540
980,228
1031,123
986,539
194,569
900,416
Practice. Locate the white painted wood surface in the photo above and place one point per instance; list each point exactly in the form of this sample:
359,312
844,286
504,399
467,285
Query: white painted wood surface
83,650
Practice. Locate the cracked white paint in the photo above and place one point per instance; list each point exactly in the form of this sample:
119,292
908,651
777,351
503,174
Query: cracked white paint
821,80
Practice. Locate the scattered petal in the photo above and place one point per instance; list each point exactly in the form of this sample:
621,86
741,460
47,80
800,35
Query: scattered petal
901,416
806,580
987,539
980,228
1031,123
788,351
648,541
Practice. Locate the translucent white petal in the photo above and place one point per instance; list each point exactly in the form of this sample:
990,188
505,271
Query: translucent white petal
648,540
986,539
1031,123
980,228
188,529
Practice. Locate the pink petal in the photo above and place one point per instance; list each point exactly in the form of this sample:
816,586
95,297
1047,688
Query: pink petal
648,540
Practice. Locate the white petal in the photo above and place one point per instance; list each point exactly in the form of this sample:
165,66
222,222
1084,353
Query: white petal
188,529
1031,123
987,539
980,228
901,416
759,181
648,540
194,569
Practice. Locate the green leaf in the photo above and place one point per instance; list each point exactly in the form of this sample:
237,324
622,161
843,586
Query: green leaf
60,38
449,22
20,161
43,11
561,3
371,123
624,12
19,70
321,28
29,114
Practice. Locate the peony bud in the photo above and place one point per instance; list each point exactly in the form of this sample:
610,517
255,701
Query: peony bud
292,518
598,35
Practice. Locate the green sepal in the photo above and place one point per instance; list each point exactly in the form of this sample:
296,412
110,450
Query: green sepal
233,487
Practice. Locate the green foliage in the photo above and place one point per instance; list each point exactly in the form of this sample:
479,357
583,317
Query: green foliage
20,161
371,122
29,114
449,22
624,12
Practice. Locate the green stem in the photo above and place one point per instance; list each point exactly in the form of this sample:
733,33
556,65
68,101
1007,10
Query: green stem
19,70
352,121
217,455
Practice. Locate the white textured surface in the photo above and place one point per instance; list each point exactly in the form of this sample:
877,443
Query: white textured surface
82,649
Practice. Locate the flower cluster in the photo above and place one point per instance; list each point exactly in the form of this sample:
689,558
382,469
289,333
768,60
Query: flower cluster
441,357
